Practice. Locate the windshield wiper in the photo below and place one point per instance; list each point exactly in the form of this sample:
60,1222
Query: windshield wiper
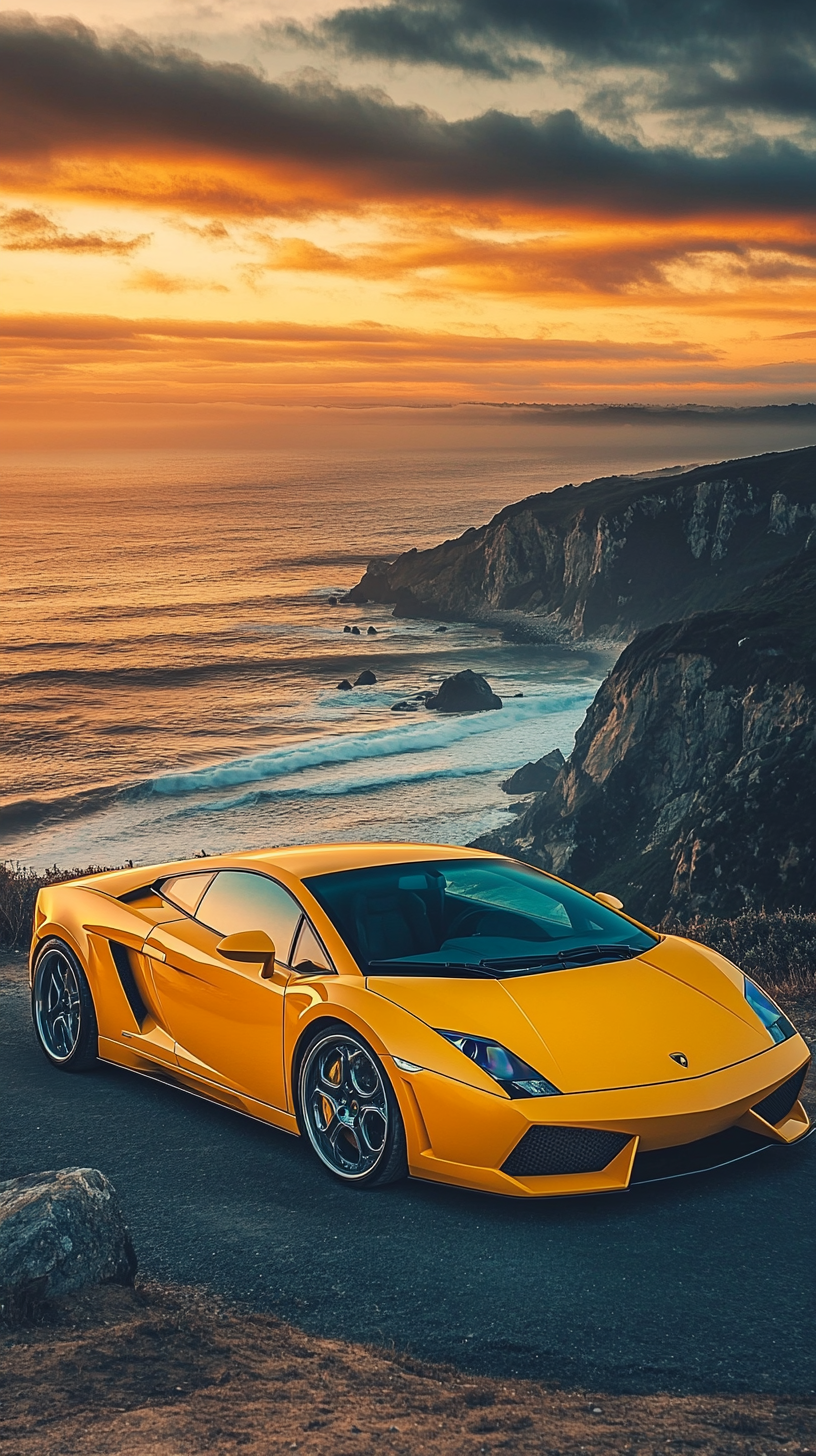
419,968
581,955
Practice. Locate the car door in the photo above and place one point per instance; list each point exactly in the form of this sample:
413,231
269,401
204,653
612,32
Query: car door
226,1017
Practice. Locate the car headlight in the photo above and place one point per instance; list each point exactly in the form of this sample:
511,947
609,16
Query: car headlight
516,1077
771,1017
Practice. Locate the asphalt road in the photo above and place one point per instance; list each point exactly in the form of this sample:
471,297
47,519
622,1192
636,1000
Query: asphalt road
708,1283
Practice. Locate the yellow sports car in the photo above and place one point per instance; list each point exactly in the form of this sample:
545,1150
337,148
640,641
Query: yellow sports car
414,1008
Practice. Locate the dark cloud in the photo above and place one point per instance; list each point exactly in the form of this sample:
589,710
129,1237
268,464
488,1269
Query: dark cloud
747,53
63,93
25,230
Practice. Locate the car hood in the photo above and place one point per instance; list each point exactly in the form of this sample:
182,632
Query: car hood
605,1026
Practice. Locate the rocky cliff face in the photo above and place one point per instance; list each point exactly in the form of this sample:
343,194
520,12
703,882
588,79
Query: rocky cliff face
692,785
613,556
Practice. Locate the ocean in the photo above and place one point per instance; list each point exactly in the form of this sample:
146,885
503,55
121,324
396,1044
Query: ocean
170,659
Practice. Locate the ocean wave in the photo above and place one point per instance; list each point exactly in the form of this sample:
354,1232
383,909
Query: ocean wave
347,748
340,788
23,813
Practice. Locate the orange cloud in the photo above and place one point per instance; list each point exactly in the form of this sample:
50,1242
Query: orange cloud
150,280
25,230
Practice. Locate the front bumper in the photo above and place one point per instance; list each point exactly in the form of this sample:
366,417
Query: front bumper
460,1135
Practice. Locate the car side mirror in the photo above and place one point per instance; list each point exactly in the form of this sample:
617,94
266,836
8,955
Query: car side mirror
611,900
250,945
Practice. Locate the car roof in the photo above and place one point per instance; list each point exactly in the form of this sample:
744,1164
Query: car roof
299,861
322,859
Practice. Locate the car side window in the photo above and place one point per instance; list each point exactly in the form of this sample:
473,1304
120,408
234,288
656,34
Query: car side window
308,954
186,890
238,900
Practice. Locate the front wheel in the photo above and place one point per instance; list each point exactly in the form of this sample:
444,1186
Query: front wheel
62,1009
348,1109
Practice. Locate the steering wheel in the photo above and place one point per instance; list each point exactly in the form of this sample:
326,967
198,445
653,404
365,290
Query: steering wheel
462,919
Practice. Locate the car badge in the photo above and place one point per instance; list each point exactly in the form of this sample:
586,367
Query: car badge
680,1058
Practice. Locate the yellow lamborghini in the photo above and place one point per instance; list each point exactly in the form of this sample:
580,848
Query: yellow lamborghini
413,1008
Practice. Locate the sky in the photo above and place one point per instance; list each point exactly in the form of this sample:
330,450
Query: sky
212,213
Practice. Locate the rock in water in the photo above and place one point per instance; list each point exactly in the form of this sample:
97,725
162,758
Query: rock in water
332,601
58,1231
356,631
465,692
365,679
347,628
344,686
534,778
372,632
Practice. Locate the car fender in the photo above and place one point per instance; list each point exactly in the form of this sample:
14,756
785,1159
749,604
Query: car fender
388,1028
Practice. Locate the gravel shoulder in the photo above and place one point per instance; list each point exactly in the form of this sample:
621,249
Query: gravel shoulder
120,1372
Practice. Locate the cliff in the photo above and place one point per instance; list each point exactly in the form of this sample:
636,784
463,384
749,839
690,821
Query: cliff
692,786
611,557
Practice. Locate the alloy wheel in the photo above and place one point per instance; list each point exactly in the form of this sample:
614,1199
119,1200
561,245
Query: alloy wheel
345,1105
57,1005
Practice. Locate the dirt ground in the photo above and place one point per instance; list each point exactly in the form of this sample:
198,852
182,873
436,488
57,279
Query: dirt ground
163,1371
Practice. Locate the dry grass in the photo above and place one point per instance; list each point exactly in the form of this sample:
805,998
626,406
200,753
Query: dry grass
166,1371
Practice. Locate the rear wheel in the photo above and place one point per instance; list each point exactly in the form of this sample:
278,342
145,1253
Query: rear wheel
62,1009
348,1110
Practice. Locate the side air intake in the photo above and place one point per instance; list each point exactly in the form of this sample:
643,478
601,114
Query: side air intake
124,970
552,1150
779,1103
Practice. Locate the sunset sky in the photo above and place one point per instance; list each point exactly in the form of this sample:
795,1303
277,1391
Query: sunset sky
213,211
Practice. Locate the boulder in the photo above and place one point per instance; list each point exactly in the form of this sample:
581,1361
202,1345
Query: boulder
535,778
58,1231
372,632
365,679
347,628
332,601
356,631
344,686
440,629
404,707
465,692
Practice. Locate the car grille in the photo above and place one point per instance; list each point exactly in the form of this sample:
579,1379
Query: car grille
776,1106
553,1150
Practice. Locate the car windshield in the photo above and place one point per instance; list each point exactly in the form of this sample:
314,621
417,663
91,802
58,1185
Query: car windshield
480,917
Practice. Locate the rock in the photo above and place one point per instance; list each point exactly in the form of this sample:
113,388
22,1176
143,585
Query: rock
347,628
535,778
372,632
365,679
58,1231
404,707
332,601
604,560
344,686
692,784
440,629
356,631
517,695
465,692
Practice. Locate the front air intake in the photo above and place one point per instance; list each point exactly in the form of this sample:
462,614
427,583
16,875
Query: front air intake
779,1103
549,1151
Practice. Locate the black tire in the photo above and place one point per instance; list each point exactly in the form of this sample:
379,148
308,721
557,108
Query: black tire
347,1110
62,1009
